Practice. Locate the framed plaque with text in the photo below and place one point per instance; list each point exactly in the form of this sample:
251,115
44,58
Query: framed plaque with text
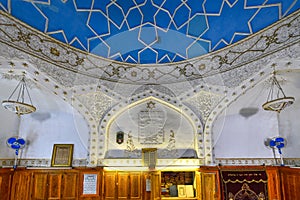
90,184
62,155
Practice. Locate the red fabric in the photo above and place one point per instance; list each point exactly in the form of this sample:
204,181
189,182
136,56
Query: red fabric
244,185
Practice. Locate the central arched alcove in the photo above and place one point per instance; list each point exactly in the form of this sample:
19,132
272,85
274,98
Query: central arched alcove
152,123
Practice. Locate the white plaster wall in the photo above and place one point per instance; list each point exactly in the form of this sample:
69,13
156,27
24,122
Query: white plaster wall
243,137
289,118
54,122
59,128
239,136
290,130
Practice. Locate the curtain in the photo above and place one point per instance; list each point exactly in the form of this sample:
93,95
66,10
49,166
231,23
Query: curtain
244,185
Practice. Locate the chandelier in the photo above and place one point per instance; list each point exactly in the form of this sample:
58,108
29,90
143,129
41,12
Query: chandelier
277,100
16,102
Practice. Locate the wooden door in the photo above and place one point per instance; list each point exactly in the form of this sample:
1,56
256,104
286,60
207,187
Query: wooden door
123,185
39,186
20,189
155,186
54,186
135,192
109,186
69,186
5,183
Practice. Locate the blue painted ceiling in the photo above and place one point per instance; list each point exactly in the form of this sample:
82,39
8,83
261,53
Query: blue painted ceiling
149,31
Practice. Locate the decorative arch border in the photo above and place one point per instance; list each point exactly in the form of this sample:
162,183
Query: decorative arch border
20,68
234,94
145,96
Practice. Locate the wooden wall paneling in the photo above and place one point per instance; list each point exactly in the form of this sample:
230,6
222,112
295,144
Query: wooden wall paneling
6,176
54,186
210,185
274,190
208,182
20,188
109,185
290,183
155,186
39,186
146,179
136,186
197,182
123,186
69,185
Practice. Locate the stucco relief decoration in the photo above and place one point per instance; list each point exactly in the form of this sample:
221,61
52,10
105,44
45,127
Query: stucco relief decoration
171,148
253,50
38,44
151,125
204,102
131,151
97,103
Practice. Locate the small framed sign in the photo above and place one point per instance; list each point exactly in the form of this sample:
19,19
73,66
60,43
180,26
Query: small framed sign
62,155
90,184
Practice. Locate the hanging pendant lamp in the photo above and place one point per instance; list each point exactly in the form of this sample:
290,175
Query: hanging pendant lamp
277,101
19,101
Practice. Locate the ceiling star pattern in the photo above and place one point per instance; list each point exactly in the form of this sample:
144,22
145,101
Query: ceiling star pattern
149,31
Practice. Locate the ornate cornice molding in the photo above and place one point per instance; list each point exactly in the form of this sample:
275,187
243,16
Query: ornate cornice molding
253,49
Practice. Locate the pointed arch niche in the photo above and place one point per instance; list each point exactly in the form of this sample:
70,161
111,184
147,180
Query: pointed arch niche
171,128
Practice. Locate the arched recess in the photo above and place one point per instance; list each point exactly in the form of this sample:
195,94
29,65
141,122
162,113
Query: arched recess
235,93
47,95
232,95
151,122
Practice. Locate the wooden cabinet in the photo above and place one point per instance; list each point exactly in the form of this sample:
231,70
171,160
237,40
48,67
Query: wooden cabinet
290,183
20,189
134,186
274,191
5,183
210,184
164,183
178,184
69,185
54,185
109,185
122,185
123,189
39,186
155,186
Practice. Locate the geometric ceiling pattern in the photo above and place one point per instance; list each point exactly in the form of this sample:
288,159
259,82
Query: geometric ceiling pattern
149,31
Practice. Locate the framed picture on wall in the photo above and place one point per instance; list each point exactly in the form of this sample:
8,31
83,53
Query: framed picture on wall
62,155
